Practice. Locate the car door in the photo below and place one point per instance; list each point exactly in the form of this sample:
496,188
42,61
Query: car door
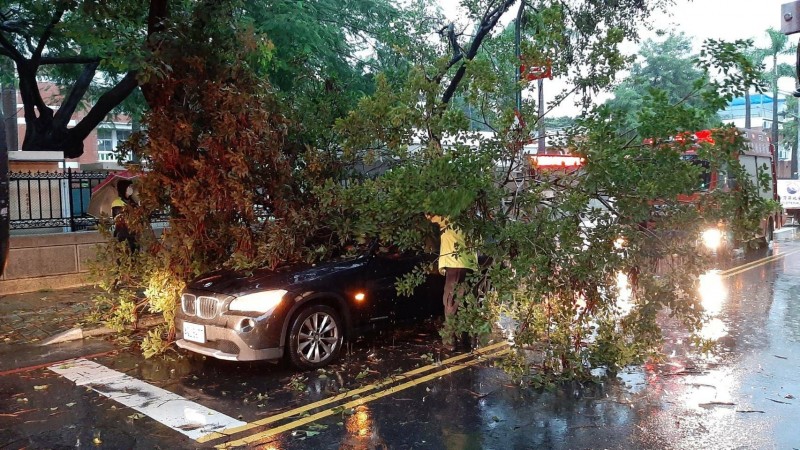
384,270
426,299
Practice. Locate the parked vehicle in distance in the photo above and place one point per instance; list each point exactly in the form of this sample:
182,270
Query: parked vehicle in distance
758,160
302,312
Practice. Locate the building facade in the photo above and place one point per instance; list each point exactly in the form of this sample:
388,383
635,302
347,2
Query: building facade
760,116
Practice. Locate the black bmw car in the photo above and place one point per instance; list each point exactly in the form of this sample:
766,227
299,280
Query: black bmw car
304,312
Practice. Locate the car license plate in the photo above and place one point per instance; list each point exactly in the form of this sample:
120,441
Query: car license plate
194,332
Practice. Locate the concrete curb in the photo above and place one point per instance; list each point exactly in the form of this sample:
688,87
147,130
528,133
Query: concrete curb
79,333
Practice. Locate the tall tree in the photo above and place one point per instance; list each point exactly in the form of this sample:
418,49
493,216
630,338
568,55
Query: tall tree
757,57
665,65
779,45
216,151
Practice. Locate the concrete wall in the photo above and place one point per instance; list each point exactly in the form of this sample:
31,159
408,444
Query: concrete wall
49,261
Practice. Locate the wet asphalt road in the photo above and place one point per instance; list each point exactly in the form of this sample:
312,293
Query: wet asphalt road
747,395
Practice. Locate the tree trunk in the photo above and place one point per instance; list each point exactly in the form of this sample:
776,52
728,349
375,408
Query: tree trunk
4,188
9,98
747,108
775,101
42,135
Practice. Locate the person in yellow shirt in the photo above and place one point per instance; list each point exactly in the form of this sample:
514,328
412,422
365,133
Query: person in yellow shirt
455,262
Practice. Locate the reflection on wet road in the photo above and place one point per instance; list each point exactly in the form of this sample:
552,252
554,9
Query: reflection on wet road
744,395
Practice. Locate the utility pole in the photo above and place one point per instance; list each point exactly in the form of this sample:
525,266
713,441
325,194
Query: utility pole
518,54
540,129
790,24
793,159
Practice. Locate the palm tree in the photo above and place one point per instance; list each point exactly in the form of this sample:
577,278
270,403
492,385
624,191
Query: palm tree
779,45
757,56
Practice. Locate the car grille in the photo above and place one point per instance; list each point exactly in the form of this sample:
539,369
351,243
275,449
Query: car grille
203,307
206,307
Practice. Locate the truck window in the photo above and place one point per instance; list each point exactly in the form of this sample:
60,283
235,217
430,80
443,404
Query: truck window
705,175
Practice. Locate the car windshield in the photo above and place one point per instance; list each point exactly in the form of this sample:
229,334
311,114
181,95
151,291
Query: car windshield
361,247
350,249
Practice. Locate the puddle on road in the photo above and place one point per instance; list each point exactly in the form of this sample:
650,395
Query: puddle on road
634,379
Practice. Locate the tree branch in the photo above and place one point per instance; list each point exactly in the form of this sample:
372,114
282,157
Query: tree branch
75,95
451,38
10,26
48,31
29,91
54,60
488,23
104,105
10,50
29,43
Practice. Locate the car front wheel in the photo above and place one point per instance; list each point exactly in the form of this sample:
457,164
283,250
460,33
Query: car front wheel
315,339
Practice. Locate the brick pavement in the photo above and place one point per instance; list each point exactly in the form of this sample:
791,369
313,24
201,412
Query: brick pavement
33,316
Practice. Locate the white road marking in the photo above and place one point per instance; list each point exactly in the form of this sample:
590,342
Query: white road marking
172,410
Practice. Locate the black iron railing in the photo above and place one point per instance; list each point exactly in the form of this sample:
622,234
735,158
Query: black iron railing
52,199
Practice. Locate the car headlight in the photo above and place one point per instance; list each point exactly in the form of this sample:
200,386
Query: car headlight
257,301
712,238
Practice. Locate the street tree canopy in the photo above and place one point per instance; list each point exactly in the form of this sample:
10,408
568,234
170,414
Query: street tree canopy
664,67
558,243
98,54
74,43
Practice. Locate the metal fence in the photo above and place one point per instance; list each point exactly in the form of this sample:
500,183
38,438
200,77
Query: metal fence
52,199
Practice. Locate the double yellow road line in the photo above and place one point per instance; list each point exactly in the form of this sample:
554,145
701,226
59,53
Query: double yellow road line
383,388
754,264
391,385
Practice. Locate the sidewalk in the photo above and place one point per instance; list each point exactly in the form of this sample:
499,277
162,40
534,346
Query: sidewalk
29,319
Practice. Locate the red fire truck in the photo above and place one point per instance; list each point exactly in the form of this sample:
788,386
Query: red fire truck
757,160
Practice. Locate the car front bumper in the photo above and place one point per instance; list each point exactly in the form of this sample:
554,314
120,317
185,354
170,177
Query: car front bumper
226,344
